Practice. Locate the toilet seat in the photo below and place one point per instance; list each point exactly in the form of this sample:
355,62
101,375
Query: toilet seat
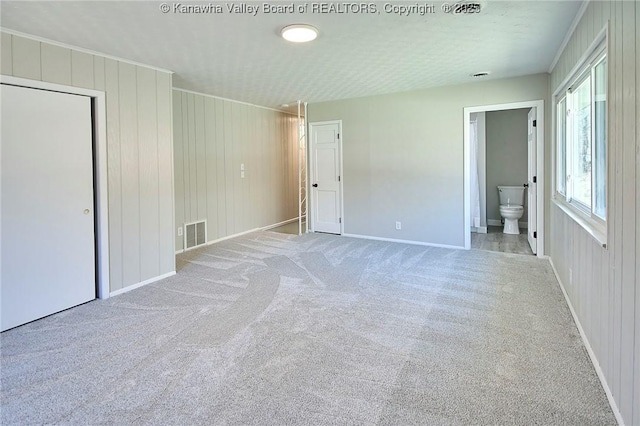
511,209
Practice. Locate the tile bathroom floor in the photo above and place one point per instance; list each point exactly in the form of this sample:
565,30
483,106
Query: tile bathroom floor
496,240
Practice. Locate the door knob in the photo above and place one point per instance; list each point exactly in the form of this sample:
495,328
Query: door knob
315,185
87,211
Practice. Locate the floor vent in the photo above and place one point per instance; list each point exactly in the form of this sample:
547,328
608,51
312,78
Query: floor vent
195,234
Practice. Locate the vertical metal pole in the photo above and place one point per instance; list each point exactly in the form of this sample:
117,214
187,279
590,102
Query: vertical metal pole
306,169
299,175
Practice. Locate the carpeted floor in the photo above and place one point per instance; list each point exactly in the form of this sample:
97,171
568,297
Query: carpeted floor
279,329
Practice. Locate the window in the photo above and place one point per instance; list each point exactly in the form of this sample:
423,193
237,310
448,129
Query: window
581,141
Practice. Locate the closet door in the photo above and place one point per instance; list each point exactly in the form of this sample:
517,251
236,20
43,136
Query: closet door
47,222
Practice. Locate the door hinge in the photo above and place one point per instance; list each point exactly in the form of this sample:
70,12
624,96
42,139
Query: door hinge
338,178
340,220
535,123
535,179
535,234
338,136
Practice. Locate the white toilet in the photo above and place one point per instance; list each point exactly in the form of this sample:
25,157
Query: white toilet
511,207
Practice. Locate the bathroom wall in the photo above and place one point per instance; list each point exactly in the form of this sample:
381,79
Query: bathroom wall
506,133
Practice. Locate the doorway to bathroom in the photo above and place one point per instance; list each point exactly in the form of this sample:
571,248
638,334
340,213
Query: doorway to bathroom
504,146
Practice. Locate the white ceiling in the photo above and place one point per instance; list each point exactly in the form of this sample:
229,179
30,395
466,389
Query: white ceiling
242,57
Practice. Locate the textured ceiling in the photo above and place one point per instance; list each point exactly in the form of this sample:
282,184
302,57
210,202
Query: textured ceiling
242,57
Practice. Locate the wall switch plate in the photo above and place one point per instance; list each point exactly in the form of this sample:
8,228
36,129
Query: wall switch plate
242,166
398,225
242,174
180,231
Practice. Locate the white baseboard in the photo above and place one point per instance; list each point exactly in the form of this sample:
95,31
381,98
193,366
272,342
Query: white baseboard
479,229
394,240
592,355
493,222
239,234
140,284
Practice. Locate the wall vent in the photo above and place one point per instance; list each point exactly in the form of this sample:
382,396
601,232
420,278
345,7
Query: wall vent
195,234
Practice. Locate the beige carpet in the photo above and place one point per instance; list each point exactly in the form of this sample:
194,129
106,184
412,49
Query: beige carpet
278,329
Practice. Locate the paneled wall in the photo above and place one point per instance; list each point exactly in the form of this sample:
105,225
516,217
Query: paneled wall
212,139
603,284
139,150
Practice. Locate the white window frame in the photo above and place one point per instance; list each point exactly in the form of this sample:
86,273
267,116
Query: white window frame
581,213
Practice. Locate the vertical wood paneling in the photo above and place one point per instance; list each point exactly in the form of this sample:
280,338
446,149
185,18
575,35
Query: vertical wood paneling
629,182
178,158
221,176
229,167
130,240
129,160
193,159
185,158
56,64
114,175
238,207
636,365
6,58
201,158
82,69
26,58
605,292
211,149
98,73
148,173
226,134
166,215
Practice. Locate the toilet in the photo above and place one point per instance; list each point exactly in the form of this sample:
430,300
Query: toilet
511,207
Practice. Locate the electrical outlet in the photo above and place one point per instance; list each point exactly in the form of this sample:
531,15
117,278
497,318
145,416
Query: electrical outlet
398,225
242,174
180,231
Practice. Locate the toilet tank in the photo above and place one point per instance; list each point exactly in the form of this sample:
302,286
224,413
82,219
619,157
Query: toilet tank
511,195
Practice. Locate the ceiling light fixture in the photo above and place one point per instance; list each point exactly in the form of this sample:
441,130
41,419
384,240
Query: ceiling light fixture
299,33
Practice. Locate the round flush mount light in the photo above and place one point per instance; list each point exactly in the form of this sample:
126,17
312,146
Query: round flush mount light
480,74
299,33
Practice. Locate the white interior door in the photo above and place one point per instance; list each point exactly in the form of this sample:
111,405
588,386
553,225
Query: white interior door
47,228
532,190
326,188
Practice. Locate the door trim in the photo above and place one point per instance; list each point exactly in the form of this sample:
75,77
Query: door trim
310,171
541,193
100,169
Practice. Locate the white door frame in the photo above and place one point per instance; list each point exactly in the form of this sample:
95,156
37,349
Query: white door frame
310,170
539,105
99,169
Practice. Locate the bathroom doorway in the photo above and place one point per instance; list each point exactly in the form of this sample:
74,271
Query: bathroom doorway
500,149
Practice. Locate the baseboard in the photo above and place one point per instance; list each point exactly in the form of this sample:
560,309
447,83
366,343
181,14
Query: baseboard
394,240
286,222
592,355
141,284
479,229
493,222
239,234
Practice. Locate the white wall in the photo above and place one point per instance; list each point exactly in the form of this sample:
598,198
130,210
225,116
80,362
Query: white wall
603,284
403,156
212,138
139,149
